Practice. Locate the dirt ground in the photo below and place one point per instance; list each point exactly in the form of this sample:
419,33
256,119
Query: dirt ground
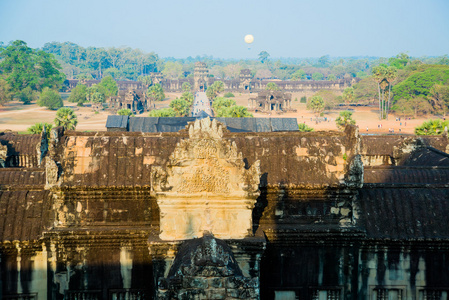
18,117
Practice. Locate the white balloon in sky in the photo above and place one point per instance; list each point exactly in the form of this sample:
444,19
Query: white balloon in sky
249,38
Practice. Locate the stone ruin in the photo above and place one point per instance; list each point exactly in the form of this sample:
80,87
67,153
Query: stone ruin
135,100
271,102
205,213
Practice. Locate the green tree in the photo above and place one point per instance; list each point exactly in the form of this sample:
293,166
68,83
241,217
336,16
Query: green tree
181,107
6,94
390,76
163,112
348,95
400,61
114,73
108,87
444,60
66,118
24,67
403,107
125,112
187,96
172,70
235,111
420,82
361,75
156,93
90,91
263,56
39,127
50,99
97,98
146,80
27,95
78,94
271,86
331,77
84,76
420,105
216,88
323,61
439,97
100,62
330,98
186,87
316,104
298,74
379,75
431,127
365,91
317,76
304,128
229,95
416,105
221,102
345,118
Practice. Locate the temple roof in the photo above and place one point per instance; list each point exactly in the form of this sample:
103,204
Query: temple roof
404,200
24,214
174,124
406,213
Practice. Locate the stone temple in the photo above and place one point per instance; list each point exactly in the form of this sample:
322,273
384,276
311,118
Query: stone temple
206,213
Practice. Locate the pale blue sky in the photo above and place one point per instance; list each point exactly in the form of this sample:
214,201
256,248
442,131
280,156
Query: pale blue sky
284,28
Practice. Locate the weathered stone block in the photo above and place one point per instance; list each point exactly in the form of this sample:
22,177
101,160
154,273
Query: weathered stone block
195,282
217,282
216,294
232,293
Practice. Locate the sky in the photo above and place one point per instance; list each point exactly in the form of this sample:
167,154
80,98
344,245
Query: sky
283,28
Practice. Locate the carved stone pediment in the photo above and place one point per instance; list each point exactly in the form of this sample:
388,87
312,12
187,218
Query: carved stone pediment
205,186
206,163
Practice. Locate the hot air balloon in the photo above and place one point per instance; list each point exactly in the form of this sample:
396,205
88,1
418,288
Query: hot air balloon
249,39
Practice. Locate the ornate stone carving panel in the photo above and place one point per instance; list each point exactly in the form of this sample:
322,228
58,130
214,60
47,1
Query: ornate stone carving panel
205,186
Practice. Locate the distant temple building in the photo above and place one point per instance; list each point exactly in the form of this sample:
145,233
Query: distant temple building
271,102
200,77
245,80
134,100
244,83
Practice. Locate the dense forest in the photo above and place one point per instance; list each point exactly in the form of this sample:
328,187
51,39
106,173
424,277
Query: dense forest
404,84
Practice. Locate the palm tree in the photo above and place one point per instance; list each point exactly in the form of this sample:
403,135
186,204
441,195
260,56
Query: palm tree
304,128
271,86
316,104
66,118
39,127
156,93
379,73
238,111
391,74
345,118
348,95
431,127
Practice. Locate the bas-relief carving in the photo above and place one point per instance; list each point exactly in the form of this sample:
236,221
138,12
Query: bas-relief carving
52,173
206,269
205,186
3,155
